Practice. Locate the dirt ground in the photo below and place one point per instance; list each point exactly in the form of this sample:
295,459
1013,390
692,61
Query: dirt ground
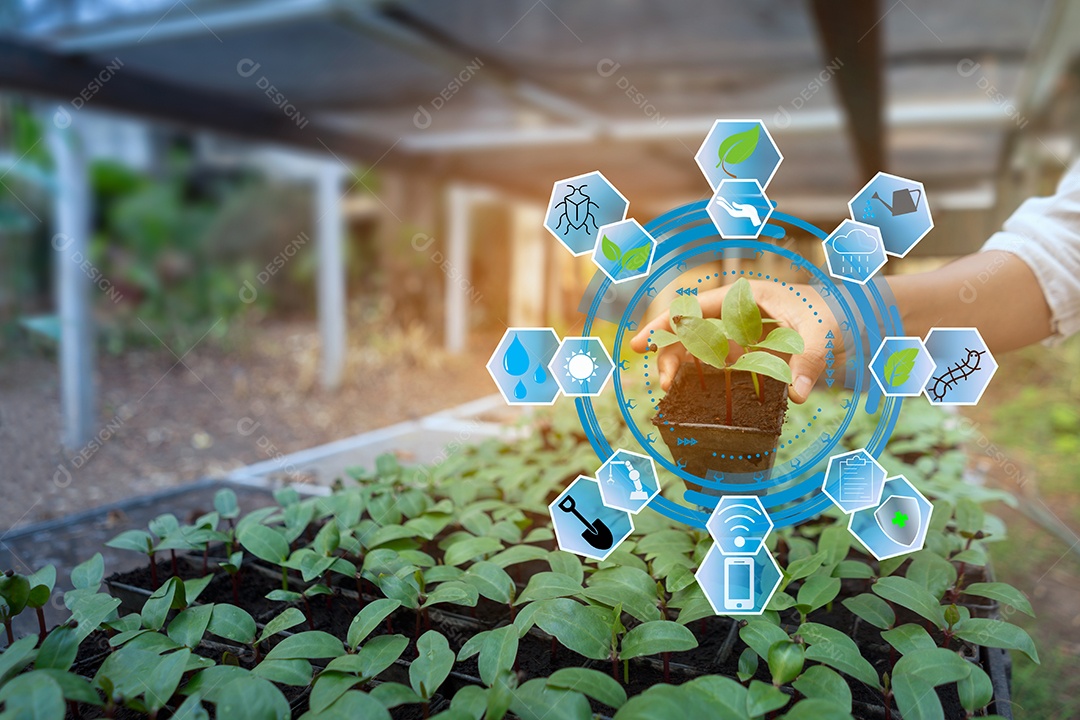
162,422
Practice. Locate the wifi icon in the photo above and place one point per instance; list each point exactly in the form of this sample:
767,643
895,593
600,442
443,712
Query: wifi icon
739,524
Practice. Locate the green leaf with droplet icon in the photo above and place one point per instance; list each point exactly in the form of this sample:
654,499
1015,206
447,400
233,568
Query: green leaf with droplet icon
738,147
635,259
899,365
611,250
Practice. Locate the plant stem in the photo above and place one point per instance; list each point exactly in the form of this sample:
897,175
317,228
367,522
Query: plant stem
757,388
175,572
10,635
284,578
41,622
307,610
614,666
727,393
153,571
667,666
359,591
700,373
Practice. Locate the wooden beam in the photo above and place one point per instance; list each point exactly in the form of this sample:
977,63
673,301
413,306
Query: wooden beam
850,31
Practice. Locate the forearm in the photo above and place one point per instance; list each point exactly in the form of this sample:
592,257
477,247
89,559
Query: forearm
994,291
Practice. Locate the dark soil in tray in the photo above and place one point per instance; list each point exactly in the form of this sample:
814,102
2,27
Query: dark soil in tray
688,402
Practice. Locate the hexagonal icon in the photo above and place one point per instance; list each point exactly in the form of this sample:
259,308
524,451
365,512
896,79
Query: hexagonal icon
853,480
581,366
519,366
895,526
628,481
739,524
854,252
964,366
897,207
741,149
739,209
584,525
624,251
738,585
579,206
901,366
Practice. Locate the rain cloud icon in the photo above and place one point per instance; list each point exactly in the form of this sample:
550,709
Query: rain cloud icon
855,242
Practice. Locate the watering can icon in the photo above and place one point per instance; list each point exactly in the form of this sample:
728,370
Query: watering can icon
903,201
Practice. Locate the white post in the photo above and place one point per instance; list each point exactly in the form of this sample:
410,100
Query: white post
71,240
329,237
456,329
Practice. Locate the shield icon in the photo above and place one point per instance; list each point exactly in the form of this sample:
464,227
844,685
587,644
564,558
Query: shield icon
900,519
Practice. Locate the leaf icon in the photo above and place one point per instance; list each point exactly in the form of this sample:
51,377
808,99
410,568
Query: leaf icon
635,259
611,250
899,365
738,147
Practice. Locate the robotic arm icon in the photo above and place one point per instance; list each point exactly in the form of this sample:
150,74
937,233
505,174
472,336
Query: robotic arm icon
638,493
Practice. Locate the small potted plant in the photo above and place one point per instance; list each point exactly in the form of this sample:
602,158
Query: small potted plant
720,416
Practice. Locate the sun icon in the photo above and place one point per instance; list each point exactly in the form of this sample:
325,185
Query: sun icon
581,366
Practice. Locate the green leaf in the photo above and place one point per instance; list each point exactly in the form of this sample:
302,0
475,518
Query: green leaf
764,363
288,618
162,680
817,709
17,656
376,655
684,306
191,709
190,625
294,671
453,592
15,592
41,586
580,628
969,516
392,694
761,635
157,606
804,567
738,147
497,653
662,338
976,691
748,664
871,609
712,696
853,569
491,581
908,638
784,340
307,645
265,543
933,572
899,365
740,314
597,685
786,660
536,700
88,575
610,249
635,259
135,540
470,549
33,696
917,672
824,683
350,706
817,591
58,650
432,665
253,698
518,554
655,637
232,623
997,634
330,686
547,585
89,612
704,340
1003,593
225,504
567,564
368,619
632,587
763,698
75,688
911,595
837,650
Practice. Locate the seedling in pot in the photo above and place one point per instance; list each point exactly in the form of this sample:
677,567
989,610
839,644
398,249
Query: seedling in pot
709,340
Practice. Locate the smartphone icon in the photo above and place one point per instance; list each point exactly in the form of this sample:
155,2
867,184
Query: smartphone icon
738,583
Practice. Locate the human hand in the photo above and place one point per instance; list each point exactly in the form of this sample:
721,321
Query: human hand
777,302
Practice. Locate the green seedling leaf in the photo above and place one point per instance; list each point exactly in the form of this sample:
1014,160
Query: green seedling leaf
908,638
33,696
295,671
585,630
837,650
635,259
75,688
763,698
933,572
194,587
597,685
704,339
379,653
976,691
288,618
535,700
738,147
285,596
834,543
899,364
17,656
784,340
547,585
350,706
969,516
491,581
911,595
764,363
455,593
162,681
1003,593
786,659
817,591
871,609
41,586
392,694
58,650
165,598
761,635
741,315
610,249
191,709
92,610
368,619
232,623
135,540
15,593
88,575
712,696
998,634
684,306
471,701
824,683
748,664
915,673
518,554
816,709
497,653
307,645
265,543
662,338
254,698
470,549
433,664
190,625
655,637
632,587
566,564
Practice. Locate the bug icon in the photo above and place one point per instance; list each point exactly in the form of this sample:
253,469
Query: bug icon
576,210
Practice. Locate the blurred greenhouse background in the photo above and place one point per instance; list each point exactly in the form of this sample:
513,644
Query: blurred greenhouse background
232,232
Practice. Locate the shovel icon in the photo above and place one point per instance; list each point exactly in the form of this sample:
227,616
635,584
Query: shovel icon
596,533
900,519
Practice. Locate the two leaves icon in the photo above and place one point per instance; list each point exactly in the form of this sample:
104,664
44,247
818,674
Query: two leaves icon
633,259
738,147
898,366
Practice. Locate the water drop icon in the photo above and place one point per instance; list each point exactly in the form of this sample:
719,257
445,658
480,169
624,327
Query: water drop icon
516,360
520,391
540,376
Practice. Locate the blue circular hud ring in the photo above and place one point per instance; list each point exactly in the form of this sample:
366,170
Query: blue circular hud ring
862,307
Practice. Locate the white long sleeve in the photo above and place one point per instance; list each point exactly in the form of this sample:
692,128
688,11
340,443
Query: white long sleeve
1044,232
